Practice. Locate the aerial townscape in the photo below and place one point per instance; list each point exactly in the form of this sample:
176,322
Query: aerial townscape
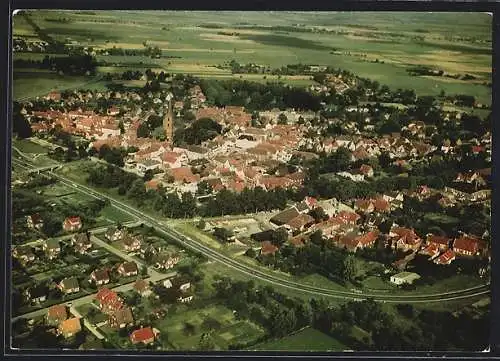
273,181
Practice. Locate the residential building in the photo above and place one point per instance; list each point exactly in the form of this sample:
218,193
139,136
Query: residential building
404,278
121,318
143,335
52,248
81,242
56,314
69,285
100,277
72,224
114,234
128,269
143,288
35,221
445,258
70,327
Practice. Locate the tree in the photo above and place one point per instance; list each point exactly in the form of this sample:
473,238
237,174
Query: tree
143,131
282,119
206,342
148,175
349,268
223,234
159,133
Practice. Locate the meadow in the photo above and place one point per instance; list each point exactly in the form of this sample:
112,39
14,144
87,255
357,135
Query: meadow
308,339
196,42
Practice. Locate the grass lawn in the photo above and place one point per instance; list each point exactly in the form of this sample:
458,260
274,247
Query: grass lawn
192,231
320,281
377,284
230,329
308,339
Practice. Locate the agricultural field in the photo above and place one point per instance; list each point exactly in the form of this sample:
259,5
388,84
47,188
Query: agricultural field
197,42
308,339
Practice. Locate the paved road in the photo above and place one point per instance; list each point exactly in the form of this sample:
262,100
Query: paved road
89,298
270,277
68,236
151,272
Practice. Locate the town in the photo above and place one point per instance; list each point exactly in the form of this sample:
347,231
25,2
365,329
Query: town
198,214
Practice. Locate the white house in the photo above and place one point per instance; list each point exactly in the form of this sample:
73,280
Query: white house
404,277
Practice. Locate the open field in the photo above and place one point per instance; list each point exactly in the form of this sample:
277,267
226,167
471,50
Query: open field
33,83
27,146
230,330
308,339
201,40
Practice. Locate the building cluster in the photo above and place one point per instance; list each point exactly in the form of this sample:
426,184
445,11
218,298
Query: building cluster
356,228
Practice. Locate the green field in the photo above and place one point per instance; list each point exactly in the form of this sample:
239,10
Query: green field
33,83
229,330
27,146
308,339
190,46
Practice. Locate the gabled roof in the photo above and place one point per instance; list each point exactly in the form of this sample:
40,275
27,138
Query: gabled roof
469,244
446,257
57,312
123,315
286,216
440,240
129,267
300,221
142,334
268,248
69,283
101,275
71,325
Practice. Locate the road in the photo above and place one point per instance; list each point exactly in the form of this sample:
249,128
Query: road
68,236
270,277
89,298
86,323
151,271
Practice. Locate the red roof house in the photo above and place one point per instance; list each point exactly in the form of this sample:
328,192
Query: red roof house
143,335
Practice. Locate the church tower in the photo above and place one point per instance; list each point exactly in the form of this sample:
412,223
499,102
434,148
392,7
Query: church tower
168,119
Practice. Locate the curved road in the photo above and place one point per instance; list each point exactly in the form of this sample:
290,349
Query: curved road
162,227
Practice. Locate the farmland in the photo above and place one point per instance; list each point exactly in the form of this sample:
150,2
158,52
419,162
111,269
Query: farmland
197,42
